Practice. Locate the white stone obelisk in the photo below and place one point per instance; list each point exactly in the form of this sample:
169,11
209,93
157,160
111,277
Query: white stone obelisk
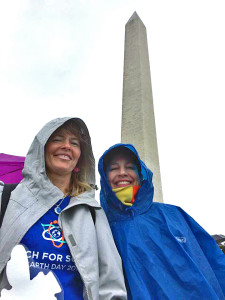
138,120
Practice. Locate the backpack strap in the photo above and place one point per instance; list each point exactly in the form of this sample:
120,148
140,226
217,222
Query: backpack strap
92,211
8,188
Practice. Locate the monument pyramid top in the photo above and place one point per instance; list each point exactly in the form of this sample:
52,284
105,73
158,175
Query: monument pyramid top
135,16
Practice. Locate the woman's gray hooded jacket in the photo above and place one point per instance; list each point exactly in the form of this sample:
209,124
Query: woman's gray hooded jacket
90,243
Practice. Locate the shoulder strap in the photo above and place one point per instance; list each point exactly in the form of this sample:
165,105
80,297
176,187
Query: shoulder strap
8,188
92,211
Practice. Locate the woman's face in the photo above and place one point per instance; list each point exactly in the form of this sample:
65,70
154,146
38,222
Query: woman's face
62,153
122,172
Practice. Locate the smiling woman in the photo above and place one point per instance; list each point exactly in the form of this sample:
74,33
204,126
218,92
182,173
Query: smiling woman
54,214
165,253
122,172
64,149
122,168
62,154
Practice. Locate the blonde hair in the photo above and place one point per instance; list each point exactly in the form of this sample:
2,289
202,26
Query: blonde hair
78,184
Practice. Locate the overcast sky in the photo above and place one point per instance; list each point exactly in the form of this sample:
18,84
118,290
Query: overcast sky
65,58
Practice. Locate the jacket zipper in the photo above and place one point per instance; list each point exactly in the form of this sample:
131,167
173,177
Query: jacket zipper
75,262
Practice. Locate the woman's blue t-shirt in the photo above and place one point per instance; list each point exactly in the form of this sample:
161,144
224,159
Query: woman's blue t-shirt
47,251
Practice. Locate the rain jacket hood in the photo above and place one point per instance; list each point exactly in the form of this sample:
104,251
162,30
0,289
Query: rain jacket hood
34,167
113,207
165,253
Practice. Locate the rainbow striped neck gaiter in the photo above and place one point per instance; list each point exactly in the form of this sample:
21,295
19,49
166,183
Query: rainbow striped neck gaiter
127,194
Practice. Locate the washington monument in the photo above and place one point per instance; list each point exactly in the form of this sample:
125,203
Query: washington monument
138,120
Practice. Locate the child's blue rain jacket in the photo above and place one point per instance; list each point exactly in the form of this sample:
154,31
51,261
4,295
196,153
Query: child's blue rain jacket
165,253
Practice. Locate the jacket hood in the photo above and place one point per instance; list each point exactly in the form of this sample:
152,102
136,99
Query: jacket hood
114,208
34,171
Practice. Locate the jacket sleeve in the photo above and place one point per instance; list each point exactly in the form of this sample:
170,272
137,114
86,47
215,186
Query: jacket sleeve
211,250
111,281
